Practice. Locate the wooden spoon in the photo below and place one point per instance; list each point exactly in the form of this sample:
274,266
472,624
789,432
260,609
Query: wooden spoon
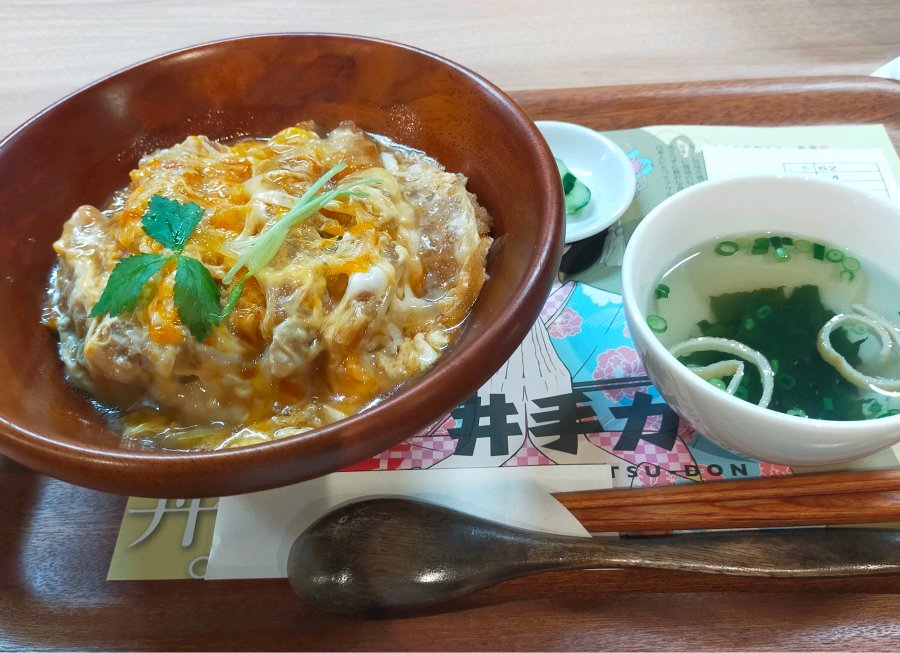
382,556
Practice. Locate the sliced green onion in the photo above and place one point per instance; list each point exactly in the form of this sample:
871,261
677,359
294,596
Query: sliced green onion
256,252
662,291
797,412
834,255
763,311
774,364
874,407
657,323
803,246
851,263
749,324
760,246
717,382
781,254
848,275
827,403
818,251
787,241
785,381
726,248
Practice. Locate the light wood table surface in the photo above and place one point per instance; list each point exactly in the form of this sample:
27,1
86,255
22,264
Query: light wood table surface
52,47
56,539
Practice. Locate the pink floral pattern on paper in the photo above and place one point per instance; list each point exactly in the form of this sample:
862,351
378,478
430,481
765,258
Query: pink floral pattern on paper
686,432
559,297
621,362
586,329
771,469
567,324
421,451
443,428
659,476
553,303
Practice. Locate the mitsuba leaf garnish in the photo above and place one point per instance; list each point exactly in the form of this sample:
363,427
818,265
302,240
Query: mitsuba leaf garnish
125,283
196,294
169,222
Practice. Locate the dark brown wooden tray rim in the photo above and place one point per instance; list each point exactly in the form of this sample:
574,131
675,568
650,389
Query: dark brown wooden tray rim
779,101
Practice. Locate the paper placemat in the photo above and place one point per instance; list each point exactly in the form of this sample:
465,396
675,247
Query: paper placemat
574,394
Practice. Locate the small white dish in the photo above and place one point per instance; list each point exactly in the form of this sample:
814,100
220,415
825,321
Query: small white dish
813,208
601,165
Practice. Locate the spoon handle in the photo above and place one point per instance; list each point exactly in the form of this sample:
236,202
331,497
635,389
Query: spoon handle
803,552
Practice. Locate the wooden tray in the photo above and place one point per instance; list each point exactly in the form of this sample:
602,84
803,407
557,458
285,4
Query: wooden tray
763,102
56,539
841,498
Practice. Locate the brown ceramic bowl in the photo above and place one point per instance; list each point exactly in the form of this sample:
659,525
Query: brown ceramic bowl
80,150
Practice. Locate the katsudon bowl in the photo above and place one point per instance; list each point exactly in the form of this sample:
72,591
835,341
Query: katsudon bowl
80,151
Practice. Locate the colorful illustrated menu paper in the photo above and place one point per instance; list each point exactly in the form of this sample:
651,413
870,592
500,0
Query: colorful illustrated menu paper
574,398
669,158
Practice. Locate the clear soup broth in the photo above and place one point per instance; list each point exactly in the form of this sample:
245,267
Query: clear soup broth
793,324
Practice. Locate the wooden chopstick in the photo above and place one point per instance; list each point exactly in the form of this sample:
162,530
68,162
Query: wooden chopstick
802,500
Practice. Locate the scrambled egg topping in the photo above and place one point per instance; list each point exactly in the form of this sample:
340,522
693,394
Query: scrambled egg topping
360,298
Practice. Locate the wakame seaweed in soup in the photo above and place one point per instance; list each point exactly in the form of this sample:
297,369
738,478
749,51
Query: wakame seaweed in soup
795,325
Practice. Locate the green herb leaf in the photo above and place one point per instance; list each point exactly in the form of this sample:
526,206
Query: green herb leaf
196,294
125,282
170,222
196,297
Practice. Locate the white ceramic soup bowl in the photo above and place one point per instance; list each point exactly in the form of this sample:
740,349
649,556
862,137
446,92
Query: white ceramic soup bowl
816,209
